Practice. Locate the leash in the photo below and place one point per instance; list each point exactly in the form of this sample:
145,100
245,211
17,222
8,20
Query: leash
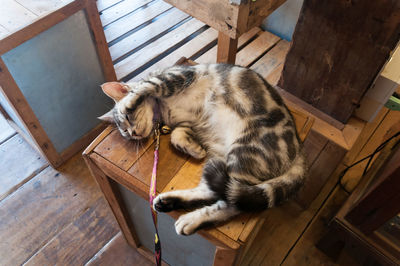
152,195
153,181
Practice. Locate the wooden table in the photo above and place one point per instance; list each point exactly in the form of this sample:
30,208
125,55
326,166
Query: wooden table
231,18
123,168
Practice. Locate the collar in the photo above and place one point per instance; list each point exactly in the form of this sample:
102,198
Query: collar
156,112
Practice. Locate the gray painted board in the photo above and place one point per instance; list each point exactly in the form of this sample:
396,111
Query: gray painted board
191,250
59,73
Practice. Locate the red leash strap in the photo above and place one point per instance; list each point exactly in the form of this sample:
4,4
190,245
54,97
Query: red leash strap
152,195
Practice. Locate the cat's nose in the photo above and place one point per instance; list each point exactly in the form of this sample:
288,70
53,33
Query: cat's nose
132,132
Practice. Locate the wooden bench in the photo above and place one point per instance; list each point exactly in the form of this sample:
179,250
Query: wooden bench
123,168
231,18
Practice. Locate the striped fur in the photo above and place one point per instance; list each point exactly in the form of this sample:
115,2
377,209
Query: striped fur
230,115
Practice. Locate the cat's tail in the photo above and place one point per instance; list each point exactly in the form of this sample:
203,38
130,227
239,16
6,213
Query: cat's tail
269,193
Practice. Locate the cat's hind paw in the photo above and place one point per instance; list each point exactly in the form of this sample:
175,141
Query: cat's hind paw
186,225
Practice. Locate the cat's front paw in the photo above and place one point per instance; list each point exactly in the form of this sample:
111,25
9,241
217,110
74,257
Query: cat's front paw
186,224
184,142
163,203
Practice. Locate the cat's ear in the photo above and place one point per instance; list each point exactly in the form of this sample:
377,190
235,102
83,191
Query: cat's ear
114,90
107,117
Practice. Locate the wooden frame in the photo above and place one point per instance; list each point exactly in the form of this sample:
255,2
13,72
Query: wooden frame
230,18
17,100
365,210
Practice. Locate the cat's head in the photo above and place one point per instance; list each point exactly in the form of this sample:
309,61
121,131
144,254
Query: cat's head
132,113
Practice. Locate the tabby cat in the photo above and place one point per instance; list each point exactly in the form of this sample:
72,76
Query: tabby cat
228,114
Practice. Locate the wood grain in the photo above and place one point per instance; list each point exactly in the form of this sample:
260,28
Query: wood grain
169,162
226,49
271,60
211,55
131,21
33,28
224,257
305,250
13,16
256,48
188,50
43,7
338,64
118,252
319,172
156,48
382,133
220,15
14,153
117,11
43,207
114,199
6,131
147,33
103,4
120,151
80,240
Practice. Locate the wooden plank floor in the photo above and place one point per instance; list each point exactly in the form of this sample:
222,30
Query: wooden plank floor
50,216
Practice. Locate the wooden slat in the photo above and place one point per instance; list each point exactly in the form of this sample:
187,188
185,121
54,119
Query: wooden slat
170,161
121,9
19,163
256,48
103,4
285,223
41,208
13,16
193,169
156,48
319,172
42,7
3,32
382,133
271,60
80,240
6,131
147,33
305,252
187,50
211,55
131,21
120,151
313,146
367,132
118,252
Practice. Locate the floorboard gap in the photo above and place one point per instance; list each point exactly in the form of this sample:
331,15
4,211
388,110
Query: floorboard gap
121,58
164,54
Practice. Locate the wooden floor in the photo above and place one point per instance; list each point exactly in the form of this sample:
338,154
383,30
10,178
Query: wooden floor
50,216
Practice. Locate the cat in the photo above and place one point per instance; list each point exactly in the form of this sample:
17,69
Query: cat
228,114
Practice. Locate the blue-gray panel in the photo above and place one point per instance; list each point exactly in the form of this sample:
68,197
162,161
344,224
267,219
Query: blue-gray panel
59,73
177,250
283,20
